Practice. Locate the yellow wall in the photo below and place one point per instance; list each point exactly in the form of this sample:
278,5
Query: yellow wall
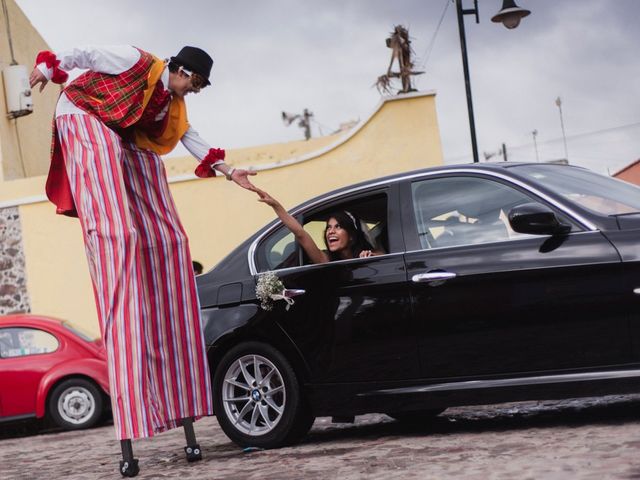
402,134
25,141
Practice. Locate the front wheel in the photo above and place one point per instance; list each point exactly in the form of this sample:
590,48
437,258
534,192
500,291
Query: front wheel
257,398
75,403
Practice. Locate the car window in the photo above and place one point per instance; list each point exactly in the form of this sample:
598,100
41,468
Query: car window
280,250
455,211
18,342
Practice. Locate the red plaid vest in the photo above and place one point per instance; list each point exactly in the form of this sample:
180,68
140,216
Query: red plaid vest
119,102
114,99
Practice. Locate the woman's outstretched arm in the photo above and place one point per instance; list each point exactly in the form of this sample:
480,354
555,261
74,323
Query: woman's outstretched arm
302,236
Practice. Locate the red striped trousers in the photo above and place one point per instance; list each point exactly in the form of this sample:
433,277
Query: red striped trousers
142,277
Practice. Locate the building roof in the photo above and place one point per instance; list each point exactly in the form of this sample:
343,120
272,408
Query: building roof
628,167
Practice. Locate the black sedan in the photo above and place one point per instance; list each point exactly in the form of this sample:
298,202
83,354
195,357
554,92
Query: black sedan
495,283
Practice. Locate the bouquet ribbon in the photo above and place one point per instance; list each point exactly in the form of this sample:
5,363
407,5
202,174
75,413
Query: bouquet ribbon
283,296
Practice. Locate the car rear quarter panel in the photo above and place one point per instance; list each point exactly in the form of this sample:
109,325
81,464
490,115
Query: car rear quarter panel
92,368
226,327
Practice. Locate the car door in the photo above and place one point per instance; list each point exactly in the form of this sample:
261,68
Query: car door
26,354
489,301
353,323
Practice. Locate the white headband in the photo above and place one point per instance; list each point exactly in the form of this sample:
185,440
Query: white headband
353,219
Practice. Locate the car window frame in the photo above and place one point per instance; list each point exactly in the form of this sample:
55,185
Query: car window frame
410,226
394,224
397,184
279,227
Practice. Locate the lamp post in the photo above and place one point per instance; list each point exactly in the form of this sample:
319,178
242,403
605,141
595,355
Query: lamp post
510,16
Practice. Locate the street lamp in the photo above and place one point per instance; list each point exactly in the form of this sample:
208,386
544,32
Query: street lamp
510,16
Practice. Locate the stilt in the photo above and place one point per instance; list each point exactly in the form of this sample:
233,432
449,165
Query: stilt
128,464
192,449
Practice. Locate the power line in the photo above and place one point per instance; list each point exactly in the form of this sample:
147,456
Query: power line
560,139
321,126
6,19
427,52
581,135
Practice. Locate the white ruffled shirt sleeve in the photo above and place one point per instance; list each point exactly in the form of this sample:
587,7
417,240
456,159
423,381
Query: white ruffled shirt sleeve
112,60
196,146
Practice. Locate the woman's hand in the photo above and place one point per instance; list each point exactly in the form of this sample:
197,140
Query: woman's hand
268,199
241,177
37,77
302,236
365,253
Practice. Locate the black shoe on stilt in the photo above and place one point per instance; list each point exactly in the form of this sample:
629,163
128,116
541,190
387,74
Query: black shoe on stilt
193,453
129,468
128,465
192,449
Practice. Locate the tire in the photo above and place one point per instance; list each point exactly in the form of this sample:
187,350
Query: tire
266,413
416,417
76,403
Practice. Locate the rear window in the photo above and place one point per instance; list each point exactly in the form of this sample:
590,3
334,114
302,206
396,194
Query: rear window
23,341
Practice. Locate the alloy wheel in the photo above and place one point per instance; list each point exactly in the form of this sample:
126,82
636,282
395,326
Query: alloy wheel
254,395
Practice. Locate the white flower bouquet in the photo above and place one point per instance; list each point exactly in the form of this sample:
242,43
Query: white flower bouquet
270,288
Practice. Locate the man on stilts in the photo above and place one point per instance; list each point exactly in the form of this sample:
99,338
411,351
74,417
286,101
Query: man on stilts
111,125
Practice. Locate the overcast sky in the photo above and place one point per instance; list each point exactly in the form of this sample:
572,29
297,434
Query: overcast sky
275,55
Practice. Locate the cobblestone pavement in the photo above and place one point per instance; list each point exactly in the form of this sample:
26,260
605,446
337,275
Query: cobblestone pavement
572,439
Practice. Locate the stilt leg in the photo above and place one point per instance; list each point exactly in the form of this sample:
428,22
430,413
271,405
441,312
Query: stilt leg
128,464
192,449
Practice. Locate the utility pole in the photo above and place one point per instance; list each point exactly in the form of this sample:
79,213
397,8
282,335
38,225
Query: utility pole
504,152
304,121
564,136
535,143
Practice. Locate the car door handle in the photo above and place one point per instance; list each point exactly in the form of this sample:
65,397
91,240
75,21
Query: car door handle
433,278
293,292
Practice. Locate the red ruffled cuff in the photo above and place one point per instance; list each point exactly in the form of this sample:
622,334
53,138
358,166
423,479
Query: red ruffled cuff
50,60
204,169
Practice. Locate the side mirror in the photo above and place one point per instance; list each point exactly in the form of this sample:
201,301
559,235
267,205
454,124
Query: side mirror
536,219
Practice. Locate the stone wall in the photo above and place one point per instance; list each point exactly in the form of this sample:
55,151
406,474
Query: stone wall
13,282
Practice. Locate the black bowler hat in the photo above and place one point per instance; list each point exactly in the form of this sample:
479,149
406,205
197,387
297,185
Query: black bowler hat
196,60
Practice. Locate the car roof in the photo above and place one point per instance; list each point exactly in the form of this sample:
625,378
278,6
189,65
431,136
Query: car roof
485,166
493,166
19,319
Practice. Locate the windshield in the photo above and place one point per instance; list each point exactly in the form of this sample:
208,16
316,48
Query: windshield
595,192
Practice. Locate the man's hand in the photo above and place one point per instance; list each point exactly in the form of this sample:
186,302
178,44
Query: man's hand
37,77
241,177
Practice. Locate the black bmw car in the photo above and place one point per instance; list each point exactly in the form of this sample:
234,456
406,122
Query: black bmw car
494,283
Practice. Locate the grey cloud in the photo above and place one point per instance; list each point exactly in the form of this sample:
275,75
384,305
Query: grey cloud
290,54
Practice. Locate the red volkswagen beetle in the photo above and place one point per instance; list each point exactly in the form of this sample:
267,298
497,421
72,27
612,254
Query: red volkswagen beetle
48,369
